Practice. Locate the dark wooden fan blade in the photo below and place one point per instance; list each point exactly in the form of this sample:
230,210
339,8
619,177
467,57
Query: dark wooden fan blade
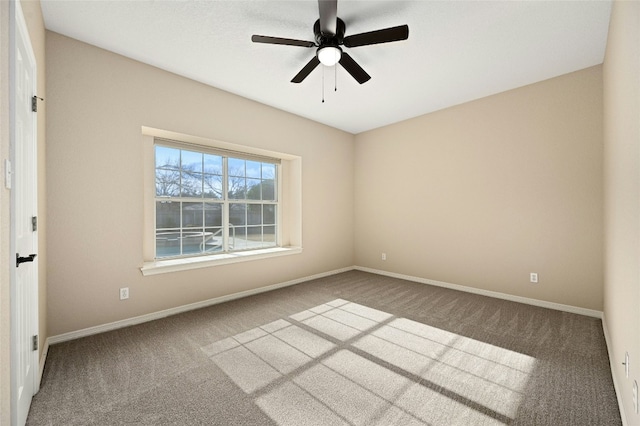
304,72
354,69
328,16
280,40
379,36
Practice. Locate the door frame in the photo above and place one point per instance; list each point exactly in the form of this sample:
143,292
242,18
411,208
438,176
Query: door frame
18,28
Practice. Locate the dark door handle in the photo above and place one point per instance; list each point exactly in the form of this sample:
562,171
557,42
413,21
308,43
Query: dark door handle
25,259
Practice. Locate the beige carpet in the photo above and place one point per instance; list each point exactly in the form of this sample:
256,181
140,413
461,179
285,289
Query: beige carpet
351,349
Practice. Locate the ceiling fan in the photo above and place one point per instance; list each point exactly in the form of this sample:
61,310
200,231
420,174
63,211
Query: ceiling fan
329,34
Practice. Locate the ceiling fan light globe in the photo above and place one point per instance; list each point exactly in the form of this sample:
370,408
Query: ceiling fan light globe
329,55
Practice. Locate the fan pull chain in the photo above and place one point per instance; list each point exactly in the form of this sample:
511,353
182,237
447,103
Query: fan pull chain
335,78
323,84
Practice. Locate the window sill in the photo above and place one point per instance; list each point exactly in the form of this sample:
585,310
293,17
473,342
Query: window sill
175,265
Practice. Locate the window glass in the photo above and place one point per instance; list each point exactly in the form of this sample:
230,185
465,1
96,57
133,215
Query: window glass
212,186
236,167
191,204
254,190
213,164
167,158
191,184
167,183
191,161
253,169
254,214
269,214
167,215
238,214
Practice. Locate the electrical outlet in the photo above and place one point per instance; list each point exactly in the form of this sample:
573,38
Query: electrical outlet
384,256
124,293
533,277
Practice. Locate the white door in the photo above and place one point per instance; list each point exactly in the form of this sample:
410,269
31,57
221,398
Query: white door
24,289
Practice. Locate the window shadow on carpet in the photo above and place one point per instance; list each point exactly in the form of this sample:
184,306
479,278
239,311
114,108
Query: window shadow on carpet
345,363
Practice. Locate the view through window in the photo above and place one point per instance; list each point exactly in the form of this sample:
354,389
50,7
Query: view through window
210,202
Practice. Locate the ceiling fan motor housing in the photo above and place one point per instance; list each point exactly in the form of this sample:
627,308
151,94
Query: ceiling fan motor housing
334,40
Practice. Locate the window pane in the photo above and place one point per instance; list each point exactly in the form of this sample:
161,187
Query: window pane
237,214
268,171
213,164
167,183
253,189
269,214
167,215
168,158
237,188
192,214
212,214
254,214
253,169
167,244
269,235
236,167
192,161
213,239
191,184
192,242
268,190
213,186
254,236
238,239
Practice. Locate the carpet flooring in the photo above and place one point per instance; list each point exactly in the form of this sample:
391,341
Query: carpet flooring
351,349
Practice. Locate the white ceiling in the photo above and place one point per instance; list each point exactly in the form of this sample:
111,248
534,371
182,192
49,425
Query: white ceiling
457,51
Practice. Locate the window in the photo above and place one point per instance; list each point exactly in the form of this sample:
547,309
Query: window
212,201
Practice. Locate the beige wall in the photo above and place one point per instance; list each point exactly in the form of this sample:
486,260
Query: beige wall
622,190
484,193
97,103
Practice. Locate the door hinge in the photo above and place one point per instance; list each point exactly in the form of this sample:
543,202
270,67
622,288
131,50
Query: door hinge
34,223
34,103
35,342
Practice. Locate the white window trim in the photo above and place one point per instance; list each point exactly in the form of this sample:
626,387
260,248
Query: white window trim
187,263
289,214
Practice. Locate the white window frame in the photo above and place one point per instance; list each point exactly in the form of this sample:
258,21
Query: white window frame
289,211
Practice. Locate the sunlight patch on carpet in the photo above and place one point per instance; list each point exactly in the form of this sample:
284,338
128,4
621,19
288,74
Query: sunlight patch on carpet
345,363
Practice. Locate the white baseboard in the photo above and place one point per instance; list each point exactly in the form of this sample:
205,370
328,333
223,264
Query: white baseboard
180,309
497,295
612,362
